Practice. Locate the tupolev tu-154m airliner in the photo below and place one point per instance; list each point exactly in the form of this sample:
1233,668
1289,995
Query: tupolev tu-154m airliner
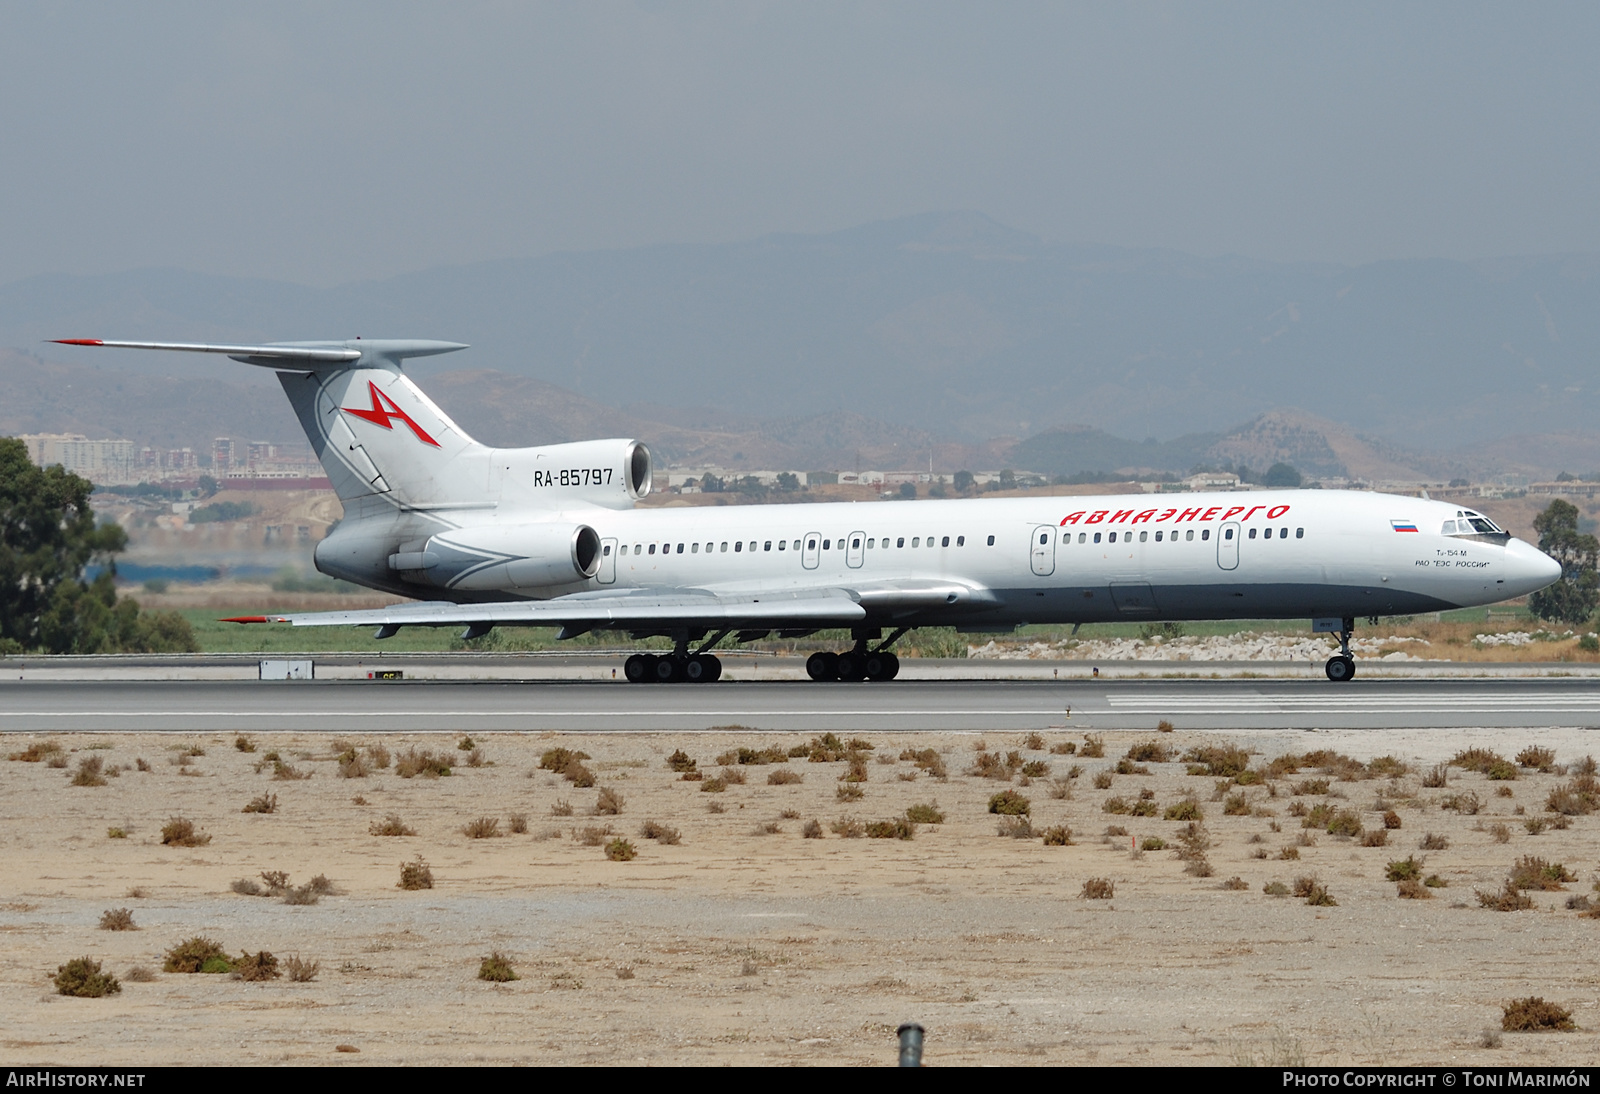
550,536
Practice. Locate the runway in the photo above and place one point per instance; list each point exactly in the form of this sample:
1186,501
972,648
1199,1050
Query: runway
457,706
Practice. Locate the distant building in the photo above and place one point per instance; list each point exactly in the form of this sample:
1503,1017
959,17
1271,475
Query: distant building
1213,480
102,461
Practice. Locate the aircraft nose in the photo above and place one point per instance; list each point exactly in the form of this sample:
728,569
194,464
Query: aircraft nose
1529,569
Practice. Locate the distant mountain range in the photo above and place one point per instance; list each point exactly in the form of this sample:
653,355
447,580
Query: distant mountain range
943,332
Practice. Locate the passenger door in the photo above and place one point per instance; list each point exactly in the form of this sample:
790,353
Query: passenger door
813,550
1044,550
856,549
608,562
1228,546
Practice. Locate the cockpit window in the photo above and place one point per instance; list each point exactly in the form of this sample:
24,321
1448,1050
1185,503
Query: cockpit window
1469,524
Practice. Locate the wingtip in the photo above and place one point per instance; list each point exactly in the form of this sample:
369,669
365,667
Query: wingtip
77,341
252,619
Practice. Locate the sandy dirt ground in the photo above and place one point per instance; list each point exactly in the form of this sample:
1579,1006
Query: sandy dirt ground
748,943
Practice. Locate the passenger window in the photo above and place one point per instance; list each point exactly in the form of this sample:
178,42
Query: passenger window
1253,532
1082,536
1283,533
782,544
871,543
739,546
623,549
961,541
812,545
724,546
638,549
709,546
796,545
1158,535
915,540
606,552
901,542
680,548
854,543
1097,537
1067,538
1205,533
1143,535
768,546
752,545
1044,537
826,544
930,541
945,542
1227,533
694,548
1189,534
1299,533
1111,537
991,541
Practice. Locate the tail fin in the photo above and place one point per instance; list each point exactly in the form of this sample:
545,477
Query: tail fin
380,438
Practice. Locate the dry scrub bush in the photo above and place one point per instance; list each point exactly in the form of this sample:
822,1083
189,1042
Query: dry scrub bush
1289,854
784,777
608,803
1481,760
848,828
1579,797
1345,824
768,828
83,978
1058,835
593,835
1378,837
1165,726
1432,842
36,752
1153,752
1009,803
620,850
925,813
256,967
561,808
680,762
928,760
415,875
352,766
1531,872
1126,766
894,828
1466,803
197,954
1534,756
518,823
1236,805
116,832
1534,1015
848,792
378,755
1034,742
756,756
245,887
391,825
1311,786
812,829
1235,883
1187,809
412,763
1099,888
261,803
856,773
1412,890
496,968
1275,888
1064,748
1436,777
117,919
1102,780
1391,819
141,974
1406,869
1508,899
482,828
179,832
1153,843
1500,833
89,772
661,833
1061,789
1094,747
301,971
288,772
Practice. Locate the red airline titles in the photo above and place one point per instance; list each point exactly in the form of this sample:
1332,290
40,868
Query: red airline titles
1130,516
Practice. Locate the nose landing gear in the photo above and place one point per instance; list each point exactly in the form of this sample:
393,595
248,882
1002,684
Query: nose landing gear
1342,666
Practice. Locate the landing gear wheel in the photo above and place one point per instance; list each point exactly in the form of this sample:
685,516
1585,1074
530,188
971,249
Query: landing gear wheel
667,670
823,665
1340,669
638,668
702,669
852,666
882,666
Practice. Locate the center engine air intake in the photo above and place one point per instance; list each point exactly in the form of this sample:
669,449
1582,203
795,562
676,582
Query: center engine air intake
503,557
613,474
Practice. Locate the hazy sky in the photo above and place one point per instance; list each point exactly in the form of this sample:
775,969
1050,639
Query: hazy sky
322,142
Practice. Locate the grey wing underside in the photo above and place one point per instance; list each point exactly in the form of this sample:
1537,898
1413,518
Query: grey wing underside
645,608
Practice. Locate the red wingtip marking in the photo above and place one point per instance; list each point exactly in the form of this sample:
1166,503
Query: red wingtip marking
248,619
78,341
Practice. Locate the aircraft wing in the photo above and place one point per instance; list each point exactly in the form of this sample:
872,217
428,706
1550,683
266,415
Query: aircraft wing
641,608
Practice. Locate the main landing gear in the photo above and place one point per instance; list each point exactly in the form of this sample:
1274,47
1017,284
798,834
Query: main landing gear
858,663
678,667
1342,666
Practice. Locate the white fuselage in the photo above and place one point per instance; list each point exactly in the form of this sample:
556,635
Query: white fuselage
1255,554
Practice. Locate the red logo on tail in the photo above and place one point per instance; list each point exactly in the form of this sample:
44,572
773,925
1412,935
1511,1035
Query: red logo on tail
379,416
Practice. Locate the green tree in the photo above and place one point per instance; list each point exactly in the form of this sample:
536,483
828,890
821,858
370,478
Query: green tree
1281,474
963,481
48,537
1573,598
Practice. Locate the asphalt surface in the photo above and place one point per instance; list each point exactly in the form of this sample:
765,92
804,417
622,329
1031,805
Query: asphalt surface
361,706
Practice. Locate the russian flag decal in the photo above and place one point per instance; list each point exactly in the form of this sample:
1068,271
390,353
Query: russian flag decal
1403,525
